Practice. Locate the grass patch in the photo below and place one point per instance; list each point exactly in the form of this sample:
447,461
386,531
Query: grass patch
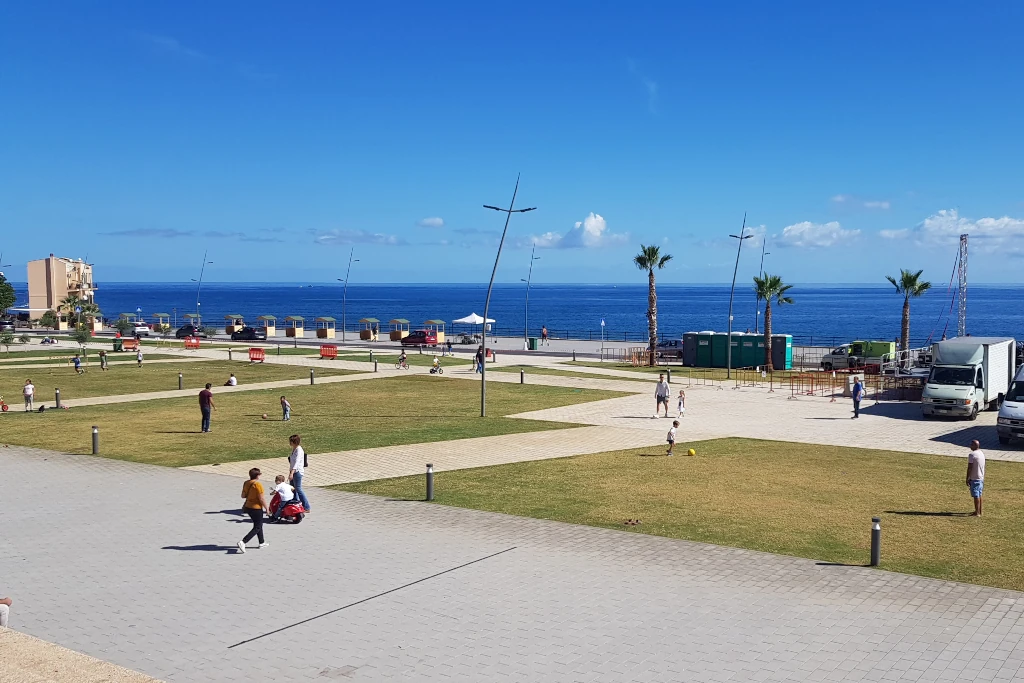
127,378
795,499
330,417
682,371
533,370
88,361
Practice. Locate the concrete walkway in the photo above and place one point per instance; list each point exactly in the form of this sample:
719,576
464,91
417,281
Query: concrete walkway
367,589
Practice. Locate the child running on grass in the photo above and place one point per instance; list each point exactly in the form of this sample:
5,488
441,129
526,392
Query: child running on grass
671,438
78,364
682,403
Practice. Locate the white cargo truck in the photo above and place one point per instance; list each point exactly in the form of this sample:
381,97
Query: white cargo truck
1010,424
968,374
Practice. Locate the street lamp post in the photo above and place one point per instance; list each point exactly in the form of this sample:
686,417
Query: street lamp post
757,304
529,278
344,293
199,286
487,302
728,341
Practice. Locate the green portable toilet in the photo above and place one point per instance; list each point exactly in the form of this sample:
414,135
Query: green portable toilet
690,349
705,344
718,347
748,351
757,359
782,351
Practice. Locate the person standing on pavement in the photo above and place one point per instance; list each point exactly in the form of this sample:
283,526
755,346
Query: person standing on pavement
297,469
544,334
976,475
206,406
858,395
29,392
255,504
661,394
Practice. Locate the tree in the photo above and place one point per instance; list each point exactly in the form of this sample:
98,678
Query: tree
770,287
6,339
123,326
24,339
649,259
49,319
910,286
7,297
81,335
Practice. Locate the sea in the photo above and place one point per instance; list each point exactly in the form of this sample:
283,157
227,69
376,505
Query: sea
820,315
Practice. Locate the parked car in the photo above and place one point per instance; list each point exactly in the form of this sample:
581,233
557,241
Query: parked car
6,325
141,330
420,338
249,334
670,348
189,331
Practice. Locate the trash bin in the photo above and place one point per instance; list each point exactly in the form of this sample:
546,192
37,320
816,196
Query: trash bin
119,345
533,343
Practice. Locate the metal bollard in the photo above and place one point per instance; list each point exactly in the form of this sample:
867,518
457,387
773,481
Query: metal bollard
669,371
522,376
279,349
371,355
430,482
375,366
229,353
876,541
311,375
95,440
181,381
57,395
295,342
574,355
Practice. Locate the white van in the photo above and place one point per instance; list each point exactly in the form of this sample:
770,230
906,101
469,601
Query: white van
1010,424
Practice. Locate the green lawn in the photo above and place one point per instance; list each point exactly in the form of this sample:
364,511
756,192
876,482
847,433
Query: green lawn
127,378
330,417
789,498
533,370
683,372
92,358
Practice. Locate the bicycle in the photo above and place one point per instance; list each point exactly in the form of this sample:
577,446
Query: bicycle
401,365
3,406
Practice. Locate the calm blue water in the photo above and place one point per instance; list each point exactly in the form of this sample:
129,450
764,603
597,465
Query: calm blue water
820,312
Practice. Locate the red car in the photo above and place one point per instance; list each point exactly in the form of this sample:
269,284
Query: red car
420,338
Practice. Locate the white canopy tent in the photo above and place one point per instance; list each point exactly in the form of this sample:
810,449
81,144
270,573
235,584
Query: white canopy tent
473,319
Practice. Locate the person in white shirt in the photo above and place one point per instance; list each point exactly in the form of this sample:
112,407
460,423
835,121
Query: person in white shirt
671,438
29,392
661,394
287,493
232,382
976,475
138,355
297,468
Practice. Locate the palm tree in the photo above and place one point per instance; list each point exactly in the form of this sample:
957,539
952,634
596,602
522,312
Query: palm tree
910,286
648,259
770,287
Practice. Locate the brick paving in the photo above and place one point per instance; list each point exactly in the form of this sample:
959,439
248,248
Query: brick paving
133,564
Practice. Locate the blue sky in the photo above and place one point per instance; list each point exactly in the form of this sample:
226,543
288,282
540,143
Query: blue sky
858,139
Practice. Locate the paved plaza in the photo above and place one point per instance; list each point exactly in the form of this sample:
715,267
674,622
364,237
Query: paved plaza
134,564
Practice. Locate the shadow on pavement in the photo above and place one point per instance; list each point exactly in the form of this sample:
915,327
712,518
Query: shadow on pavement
839,564
234,511
207,547
894,410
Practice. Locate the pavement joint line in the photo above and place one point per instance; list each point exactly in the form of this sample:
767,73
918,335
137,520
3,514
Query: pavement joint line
373,597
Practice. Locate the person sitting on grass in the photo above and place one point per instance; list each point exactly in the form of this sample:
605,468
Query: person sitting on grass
287,493
232,382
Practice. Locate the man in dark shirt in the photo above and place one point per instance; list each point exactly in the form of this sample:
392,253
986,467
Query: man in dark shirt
206,406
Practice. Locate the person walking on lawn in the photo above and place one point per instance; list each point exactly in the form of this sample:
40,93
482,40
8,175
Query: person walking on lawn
297,469
976,475
138,355
255,504
206,406
661,394
858,396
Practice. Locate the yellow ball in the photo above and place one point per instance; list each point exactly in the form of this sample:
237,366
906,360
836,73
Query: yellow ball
691,452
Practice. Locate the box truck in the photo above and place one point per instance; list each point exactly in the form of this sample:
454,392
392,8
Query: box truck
968,375
1010,423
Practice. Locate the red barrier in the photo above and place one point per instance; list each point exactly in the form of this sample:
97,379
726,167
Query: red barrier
192,343
257,355
130,345
329,351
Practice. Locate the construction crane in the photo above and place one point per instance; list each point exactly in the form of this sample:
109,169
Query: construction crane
961,311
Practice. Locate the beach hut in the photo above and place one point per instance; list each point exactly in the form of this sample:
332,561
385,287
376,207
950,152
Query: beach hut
437,326
269,324
130,317
325,327
368,328
399,329
162,322
234,323
193,319
294,326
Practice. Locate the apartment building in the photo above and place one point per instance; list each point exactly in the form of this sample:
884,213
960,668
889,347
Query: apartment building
52,279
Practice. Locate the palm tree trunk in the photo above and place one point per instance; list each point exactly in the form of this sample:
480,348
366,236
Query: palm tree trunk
905,332
768,335
652,318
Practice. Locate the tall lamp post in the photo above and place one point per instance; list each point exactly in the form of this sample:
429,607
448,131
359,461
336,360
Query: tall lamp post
199,286
757,304
728,341
344,293
487,302
529,278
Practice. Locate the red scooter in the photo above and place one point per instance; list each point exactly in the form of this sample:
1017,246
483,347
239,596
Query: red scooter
293,512
3,406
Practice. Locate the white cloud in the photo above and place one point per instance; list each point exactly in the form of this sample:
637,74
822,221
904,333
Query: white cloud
171,46
876,205
814,235
432,222
344,237
841,198
1004,235
855,201
591,232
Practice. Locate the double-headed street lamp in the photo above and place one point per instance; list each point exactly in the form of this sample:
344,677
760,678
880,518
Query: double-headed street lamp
344,292
487,302
732,292
199,286
529,278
